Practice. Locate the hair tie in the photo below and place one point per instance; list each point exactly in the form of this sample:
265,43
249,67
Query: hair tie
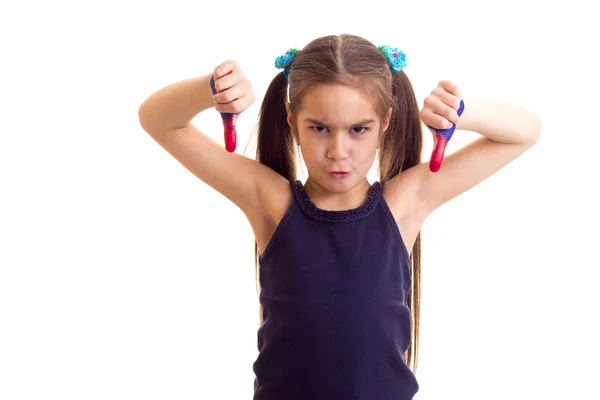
395,57
285,61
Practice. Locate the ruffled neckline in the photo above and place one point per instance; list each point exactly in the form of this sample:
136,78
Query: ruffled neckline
332,217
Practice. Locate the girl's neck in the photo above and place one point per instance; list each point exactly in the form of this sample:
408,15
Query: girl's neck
326,200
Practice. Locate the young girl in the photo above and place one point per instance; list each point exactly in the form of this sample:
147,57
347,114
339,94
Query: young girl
339,258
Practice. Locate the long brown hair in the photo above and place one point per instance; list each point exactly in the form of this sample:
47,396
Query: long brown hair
353,61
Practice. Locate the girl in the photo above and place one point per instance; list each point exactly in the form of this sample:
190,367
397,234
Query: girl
339,258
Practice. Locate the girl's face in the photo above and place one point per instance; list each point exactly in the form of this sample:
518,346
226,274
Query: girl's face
338,132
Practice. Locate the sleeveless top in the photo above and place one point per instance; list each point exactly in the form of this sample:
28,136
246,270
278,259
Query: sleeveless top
334,286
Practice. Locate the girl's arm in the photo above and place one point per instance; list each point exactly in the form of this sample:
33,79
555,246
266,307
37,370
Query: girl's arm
166,116
175,105
508,130
500,121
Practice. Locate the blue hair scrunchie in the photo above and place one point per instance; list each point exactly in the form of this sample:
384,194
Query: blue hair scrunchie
395,57
285,61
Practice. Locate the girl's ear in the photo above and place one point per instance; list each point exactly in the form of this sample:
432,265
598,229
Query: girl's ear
289,114
290,122
384,125
386,121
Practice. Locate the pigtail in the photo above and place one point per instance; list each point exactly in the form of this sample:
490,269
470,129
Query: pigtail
275,143
401,148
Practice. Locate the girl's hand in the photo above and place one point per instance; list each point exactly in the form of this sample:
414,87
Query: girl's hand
234,89
440,107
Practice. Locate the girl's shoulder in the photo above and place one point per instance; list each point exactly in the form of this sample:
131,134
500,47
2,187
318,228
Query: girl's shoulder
275,199
402,198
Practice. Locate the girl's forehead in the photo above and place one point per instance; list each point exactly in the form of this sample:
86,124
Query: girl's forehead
336,102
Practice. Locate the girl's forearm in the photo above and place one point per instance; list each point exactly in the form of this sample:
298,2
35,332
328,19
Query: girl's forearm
500,121
175,105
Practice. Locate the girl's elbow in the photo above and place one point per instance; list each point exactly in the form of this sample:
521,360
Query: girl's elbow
537,129
533,129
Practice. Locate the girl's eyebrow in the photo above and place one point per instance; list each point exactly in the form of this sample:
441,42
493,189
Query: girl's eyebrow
362,122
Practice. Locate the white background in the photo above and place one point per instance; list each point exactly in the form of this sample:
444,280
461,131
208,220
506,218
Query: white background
122,276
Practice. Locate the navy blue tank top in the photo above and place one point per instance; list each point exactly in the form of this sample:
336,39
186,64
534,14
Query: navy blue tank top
334,286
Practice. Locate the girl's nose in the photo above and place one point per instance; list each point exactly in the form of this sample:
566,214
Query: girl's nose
338,147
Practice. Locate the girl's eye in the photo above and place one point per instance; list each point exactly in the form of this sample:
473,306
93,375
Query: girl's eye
359,130
318,129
